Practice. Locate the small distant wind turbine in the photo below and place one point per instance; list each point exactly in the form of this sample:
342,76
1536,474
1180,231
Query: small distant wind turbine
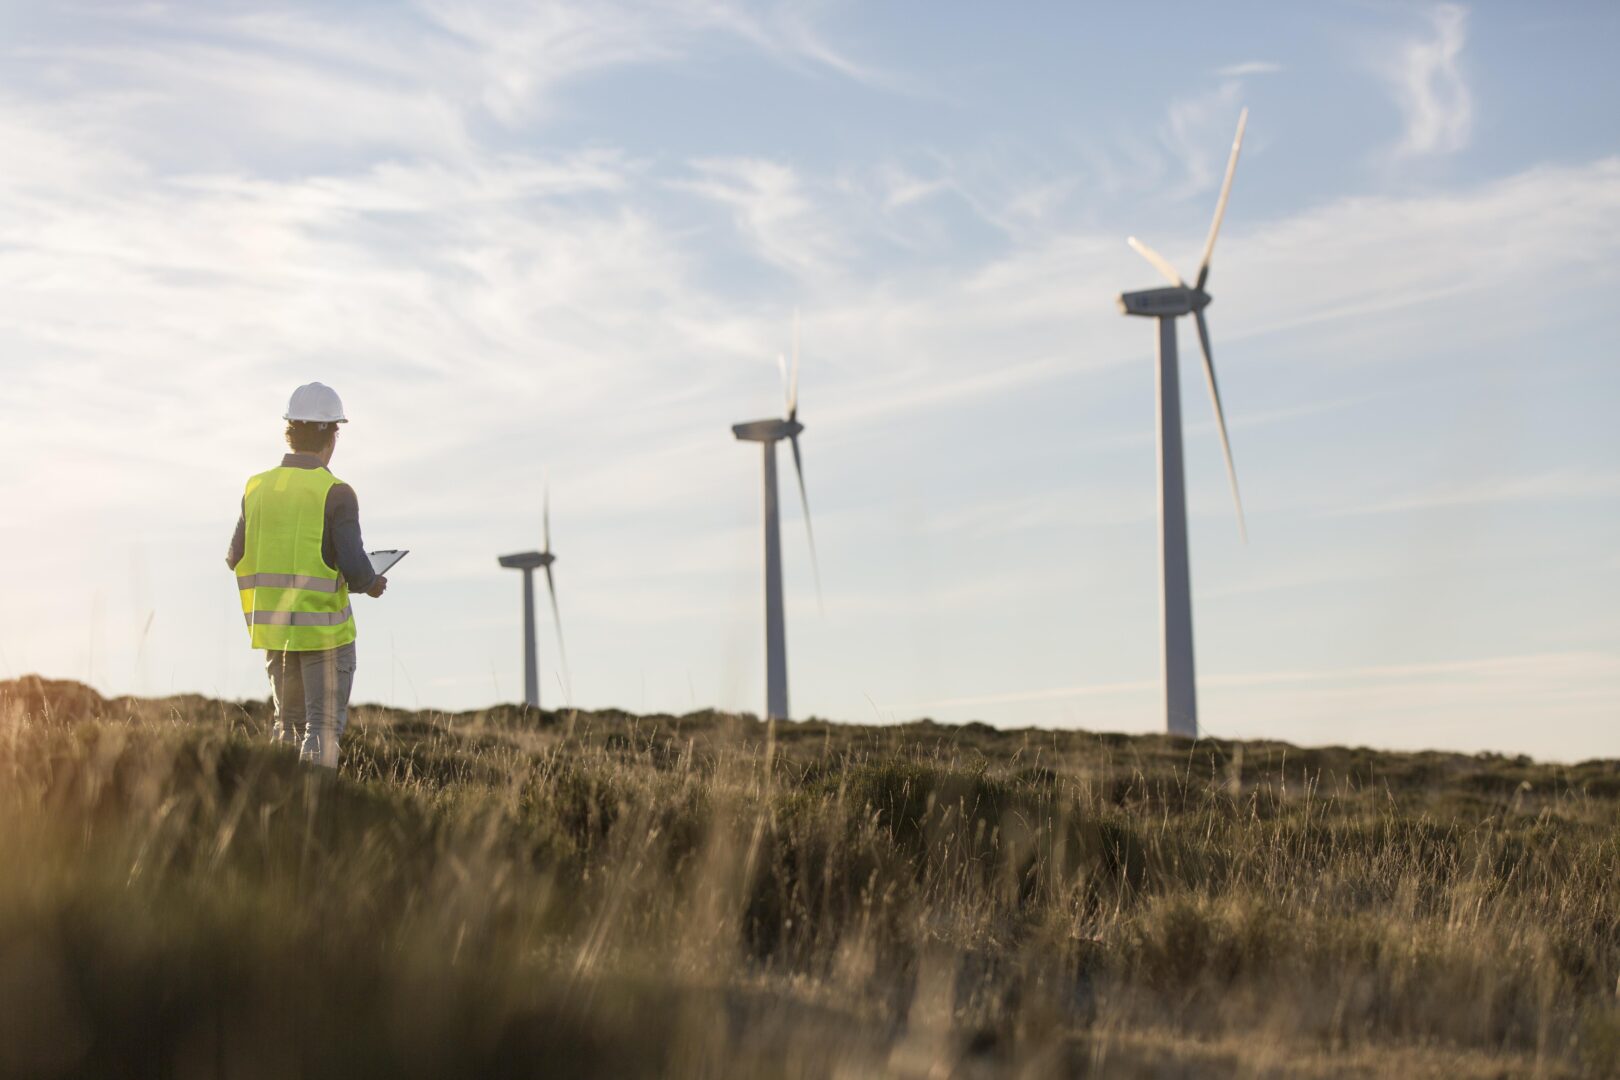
770,432
528,562
1167,305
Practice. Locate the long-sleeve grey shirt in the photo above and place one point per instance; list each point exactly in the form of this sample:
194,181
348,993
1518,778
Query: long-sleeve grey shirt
341,546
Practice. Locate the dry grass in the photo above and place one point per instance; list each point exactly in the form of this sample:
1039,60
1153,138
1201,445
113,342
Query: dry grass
512,894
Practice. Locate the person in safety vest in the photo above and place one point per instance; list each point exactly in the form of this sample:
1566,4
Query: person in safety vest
297,555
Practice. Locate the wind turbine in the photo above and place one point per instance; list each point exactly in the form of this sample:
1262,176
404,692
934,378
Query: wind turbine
528,562
1167,305
769,433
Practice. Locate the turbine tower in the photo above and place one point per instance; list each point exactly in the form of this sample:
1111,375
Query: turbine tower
528,562
769,433
1167,305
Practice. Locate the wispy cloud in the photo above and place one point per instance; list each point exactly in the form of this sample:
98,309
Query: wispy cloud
1564,485
1429,87
1352,258
771,209
1195,130
900,187
1248,67
1020,207
528,51
406,78
786,31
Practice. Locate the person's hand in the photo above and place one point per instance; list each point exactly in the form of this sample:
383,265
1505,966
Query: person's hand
379,585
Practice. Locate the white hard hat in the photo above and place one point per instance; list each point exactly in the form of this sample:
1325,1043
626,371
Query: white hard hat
316,402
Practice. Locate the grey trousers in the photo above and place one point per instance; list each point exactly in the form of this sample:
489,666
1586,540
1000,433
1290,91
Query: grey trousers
311,691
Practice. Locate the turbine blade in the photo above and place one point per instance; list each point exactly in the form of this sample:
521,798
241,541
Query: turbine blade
804,500
1220,421
793,391
545,521
787,393
1220,207
1160,263
556,619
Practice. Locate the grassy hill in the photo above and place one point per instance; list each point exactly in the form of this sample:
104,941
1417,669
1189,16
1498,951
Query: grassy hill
509,893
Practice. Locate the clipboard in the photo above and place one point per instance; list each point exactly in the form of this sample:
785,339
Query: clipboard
383,561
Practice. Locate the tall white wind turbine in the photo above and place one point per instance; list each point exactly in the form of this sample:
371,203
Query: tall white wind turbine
769,433
528,562
1167,305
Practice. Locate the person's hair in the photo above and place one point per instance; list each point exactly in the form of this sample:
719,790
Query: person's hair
310,436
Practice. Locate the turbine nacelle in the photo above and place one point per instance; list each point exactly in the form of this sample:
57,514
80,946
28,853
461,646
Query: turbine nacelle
765,431
1166,302
527,560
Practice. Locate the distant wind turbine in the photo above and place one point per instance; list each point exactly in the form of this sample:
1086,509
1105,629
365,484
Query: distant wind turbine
528,562
770,432
1167,305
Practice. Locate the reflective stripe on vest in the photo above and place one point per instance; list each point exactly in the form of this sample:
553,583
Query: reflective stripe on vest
286,581
291,600
298,618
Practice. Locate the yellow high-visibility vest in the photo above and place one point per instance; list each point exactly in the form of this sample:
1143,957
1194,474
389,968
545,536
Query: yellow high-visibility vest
291,599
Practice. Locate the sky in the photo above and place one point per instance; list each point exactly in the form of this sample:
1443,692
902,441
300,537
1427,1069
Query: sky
557,243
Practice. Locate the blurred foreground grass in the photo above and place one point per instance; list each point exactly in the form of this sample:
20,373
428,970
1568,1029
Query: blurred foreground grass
508,894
